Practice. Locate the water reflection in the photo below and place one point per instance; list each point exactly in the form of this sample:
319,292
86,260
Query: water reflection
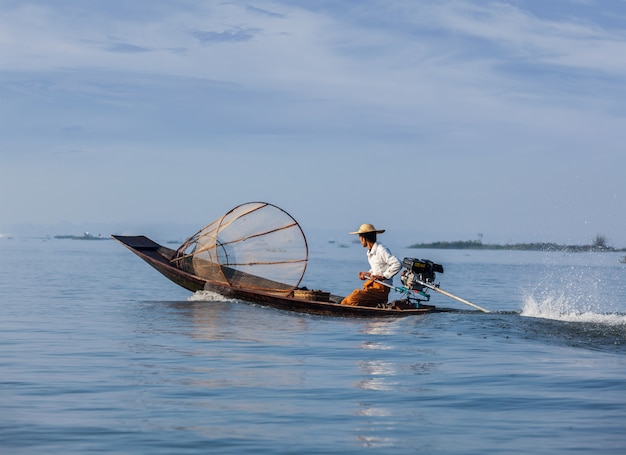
220,345
226,361
380,327
239,321
389,375
378,374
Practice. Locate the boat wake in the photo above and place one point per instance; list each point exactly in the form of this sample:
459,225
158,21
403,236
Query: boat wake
561,308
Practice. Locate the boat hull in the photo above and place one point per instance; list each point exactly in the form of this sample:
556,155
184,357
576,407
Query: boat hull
159,257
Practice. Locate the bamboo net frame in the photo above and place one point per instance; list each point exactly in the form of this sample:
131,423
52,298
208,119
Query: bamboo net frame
255,245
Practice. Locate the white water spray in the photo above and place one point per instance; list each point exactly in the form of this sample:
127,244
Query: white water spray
209,296
560,308
577,294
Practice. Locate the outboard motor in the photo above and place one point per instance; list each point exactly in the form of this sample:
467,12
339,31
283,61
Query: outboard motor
418,270
418,277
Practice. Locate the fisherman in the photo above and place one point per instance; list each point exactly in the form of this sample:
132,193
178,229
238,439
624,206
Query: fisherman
383,267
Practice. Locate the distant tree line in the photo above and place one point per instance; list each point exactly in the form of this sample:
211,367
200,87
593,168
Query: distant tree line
599,245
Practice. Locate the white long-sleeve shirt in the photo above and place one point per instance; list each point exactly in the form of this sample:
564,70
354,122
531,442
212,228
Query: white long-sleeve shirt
382,262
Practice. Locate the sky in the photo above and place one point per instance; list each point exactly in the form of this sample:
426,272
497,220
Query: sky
432,119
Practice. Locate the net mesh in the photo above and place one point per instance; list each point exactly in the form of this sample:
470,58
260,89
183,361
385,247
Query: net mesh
256,246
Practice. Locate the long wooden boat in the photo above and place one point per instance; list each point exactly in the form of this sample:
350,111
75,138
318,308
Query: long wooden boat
160,258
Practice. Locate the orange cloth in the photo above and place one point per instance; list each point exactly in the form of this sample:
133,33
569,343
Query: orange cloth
371,295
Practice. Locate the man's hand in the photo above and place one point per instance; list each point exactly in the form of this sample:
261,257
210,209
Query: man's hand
369,276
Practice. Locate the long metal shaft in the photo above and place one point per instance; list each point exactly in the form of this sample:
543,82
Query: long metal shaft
452,296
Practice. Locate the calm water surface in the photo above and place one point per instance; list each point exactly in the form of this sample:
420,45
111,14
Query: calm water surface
99,353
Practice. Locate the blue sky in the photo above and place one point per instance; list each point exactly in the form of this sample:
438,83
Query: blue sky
434,119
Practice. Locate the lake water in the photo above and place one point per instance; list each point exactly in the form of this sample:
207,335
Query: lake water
100,353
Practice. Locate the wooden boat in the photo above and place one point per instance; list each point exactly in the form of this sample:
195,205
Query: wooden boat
181,273
258,253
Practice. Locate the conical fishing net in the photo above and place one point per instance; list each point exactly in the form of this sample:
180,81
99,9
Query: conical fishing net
256,246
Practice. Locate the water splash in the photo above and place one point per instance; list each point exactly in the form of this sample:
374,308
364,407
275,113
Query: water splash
577,294
560,307
209,296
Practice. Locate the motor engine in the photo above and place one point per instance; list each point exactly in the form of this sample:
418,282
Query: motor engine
418,269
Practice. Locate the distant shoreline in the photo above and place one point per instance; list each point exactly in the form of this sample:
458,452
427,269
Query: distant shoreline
540,246
85,236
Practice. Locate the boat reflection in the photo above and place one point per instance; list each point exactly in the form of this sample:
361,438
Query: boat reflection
237,363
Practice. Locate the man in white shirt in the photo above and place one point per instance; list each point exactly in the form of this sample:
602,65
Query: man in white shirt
383,267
